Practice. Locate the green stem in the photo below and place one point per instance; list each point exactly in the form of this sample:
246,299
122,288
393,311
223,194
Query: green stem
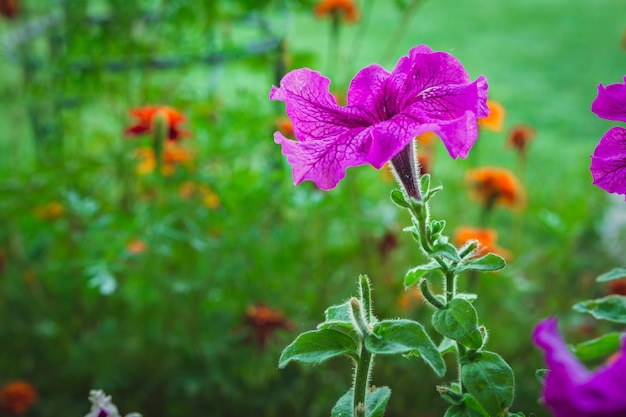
363,365
361,381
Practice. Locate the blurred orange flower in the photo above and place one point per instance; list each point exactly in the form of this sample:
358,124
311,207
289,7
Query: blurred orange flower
210,198
145,117
519,137
495,186
17,397
487,240
409,298
335,7
285,126
173,155
136,246
495,120
52,210
264,321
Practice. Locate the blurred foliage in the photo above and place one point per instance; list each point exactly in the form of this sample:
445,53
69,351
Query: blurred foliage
133,284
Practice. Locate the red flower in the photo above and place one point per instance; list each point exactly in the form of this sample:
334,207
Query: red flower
519,137
331,7
145,117
17,397
263,321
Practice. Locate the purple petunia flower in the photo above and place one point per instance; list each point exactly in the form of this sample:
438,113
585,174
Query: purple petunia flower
573,391
608,162
426,92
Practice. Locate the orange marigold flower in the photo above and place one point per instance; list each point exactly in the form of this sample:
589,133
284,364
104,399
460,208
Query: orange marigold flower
495,120
17,397
285,126
173,155
209,197
425,161
410,298
333,7
263,321
487,240
519,137
52,210
136,246
425,140
495,186
145,117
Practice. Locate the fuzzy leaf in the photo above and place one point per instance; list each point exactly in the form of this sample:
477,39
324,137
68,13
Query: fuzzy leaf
459,322
338,315
489,379
487,263
343,407
398,198
611,308
318,346
599,347
392,337
612,275
447,250
425,184
375,403
413,275
469,407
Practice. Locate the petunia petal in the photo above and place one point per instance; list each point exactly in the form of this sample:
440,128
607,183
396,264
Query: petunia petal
611,102
325,161
608,161
366,91
573,391
313,111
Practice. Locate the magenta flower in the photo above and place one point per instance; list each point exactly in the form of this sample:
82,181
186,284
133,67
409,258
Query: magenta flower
608,162
570,389
426,92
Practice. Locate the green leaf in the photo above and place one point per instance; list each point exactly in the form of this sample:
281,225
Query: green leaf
343,407
365,293
339,315
413,275
489,262
469,407
398,198
612,275
446,346
318,346
447,250
400,336
375,403
459,322
611,308
490,380
597,348
425,184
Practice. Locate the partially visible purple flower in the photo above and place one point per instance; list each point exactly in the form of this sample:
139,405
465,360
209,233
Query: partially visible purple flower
426,92
608,162
573,391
